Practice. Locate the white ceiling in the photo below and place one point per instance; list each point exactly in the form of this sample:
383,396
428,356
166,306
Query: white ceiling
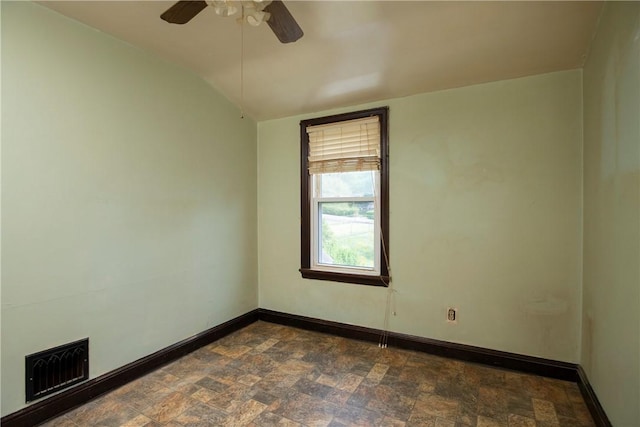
356,51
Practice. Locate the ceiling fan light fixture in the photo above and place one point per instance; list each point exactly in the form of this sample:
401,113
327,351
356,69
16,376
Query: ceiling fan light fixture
224,7
230,10
257,17
254,8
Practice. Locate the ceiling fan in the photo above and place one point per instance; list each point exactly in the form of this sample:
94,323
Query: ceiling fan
275,13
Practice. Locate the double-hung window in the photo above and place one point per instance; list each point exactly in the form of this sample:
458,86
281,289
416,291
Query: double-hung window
345,197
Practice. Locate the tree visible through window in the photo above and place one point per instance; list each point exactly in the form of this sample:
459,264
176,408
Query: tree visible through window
344,193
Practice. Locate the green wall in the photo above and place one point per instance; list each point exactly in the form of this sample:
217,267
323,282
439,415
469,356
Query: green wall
128,198
132,194
611,313
485,202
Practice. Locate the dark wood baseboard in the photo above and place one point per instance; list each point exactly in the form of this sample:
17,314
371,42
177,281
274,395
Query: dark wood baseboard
501,359
56,405
83,393
517,362
590,398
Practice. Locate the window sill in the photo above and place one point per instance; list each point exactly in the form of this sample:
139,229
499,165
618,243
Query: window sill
358,279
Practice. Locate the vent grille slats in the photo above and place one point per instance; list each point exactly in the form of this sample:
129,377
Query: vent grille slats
57,368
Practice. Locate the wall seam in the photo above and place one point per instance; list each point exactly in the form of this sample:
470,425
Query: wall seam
581,223
258,222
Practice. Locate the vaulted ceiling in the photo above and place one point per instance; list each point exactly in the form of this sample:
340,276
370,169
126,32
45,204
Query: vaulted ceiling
355,51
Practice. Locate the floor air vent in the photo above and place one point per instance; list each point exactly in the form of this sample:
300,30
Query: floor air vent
55,369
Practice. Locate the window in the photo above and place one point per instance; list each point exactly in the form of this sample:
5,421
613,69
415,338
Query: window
344,188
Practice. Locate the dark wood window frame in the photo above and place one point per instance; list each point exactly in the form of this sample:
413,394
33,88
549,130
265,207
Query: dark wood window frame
305,201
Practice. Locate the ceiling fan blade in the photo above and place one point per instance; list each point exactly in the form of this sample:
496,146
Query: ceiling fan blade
183,11
282,23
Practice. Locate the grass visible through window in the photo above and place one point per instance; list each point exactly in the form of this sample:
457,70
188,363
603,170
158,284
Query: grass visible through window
347,234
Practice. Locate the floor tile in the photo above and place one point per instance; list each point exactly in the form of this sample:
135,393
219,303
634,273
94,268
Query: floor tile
490,422
544,410
521,421
437,406
169,407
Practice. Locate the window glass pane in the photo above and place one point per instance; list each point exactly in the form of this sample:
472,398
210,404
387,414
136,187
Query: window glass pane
346,234
347,184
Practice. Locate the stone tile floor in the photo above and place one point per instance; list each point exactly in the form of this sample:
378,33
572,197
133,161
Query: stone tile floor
273,375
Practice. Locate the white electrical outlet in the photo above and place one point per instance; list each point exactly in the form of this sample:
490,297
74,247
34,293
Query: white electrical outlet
452,315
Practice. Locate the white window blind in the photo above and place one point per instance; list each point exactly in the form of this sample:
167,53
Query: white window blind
348,146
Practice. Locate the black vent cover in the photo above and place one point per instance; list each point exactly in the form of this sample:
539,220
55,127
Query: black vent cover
55,369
